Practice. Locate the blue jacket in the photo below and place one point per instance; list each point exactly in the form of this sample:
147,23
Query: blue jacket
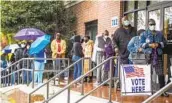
147,38
40,55
134,44
3,64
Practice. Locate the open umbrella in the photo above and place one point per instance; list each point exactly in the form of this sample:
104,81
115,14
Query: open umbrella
39,44
11,47
29,34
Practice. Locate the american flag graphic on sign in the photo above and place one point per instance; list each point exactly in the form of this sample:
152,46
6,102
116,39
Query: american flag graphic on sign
133,71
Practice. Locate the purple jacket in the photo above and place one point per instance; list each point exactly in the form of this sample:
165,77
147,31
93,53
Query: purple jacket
109,52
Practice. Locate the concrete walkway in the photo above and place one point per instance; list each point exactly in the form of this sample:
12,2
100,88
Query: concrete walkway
62,98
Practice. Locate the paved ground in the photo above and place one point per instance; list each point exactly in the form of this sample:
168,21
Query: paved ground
20,94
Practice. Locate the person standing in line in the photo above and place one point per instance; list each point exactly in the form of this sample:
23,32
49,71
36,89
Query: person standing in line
27,63
58,48
121,38
39,65
77,54
88,50
101,41
134,46
109,52
153,42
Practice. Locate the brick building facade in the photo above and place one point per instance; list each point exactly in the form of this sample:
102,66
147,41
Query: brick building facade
98,13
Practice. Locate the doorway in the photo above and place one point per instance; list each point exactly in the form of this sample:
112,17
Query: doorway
91,29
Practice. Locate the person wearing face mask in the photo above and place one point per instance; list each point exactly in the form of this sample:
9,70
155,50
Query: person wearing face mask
87,50
121,38
27,64
101,41
153,42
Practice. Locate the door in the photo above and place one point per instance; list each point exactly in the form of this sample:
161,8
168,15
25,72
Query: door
91,29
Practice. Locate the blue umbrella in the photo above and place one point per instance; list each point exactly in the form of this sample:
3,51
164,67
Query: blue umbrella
29,34
39,44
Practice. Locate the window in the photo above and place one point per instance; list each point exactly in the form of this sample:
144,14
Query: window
130,5
168,23
156,16
131,18
155,1
141,20
141,4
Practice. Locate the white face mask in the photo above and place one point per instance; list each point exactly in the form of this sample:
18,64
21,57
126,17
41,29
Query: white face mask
152,28
126,23
22,45
105,37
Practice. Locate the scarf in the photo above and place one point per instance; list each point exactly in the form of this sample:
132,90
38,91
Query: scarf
155,56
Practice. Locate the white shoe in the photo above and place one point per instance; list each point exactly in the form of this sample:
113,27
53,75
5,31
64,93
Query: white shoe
97,84
57,79
65,78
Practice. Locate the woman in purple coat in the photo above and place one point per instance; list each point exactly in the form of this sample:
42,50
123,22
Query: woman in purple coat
109,52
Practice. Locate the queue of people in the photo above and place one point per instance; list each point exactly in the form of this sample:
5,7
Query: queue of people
126,43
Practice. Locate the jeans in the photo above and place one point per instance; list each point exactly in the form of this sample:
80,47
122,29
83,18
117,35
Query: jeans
77,67
38,75
100,58
25,73
58,65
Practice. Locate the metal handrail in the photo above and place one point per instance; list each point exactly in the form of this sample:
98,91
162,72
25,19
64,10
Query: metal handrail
17,71
158,93
81,77
47,83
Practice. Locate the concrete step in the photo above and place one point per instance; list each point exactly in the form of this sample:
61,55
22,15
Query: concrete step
20,94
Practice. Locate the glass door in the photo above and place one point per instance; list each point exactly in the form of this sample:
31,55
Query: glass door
168,34
168,23
156,15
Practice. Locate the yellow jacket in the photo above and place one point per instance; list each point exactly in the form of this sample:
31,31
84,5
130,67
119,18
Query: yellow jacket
54,48
88,48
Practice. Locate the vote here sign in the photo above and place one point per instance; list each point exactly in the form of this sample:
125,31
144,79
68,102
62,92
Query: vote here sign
136,80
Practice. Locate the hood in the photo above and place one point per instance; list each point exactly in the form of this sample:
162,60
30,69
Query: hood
77,38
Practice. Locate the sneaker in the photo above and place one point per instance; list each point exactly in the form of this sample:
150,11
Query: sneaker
97,84
66,78
57,79
78,83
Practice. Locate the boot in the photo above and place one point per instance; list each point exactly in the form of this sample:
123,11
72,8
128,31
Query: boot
162,84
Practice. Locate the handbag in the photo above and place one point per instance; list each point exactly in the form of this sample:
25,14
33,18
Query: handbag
140,58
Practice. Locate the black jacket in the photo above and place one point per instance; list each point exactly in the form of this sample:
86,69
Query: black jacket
121,39
77,48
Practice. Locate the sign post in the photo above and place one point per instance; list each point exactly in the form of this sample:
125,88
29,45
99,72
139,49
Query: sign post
136,80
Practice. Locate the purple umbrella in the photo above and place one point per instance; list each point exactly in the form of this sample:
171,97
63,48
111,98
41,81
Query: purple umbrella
28,34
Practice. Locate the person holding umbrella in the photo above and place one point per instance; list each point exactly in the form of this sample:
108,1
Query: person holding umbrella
39,65
37,50
58,48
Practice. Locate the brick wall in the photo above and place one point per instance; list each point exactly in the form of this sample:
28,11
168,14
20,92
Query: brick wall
102,11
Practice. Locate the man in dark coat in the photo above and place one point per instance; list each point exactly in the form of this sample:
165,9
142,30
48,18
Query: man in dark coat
121,39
